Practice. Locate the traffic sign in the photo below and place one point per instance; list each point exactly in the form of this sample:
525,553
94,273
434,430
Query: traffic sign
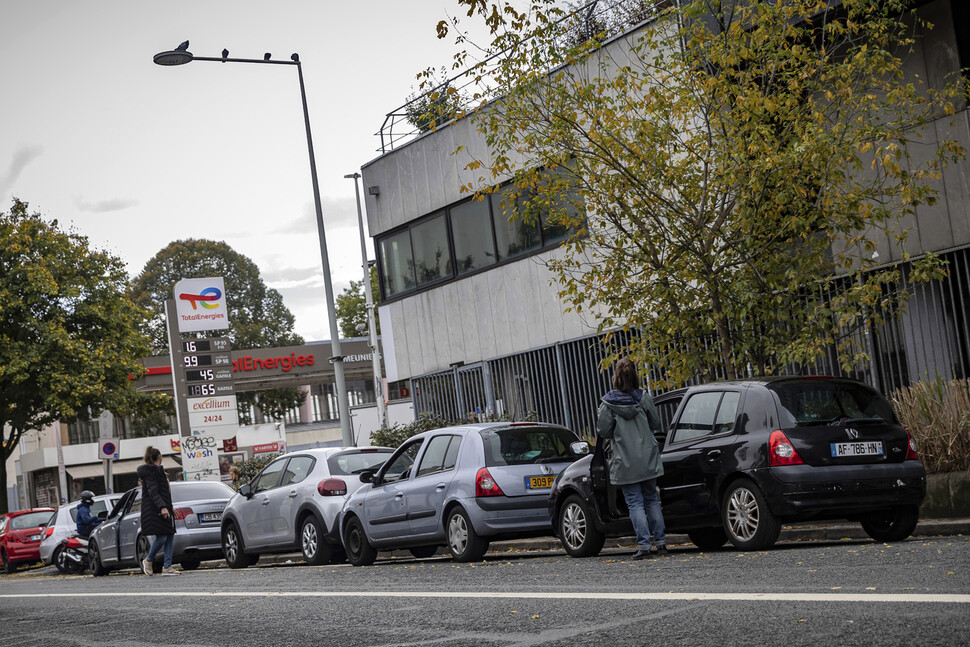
108,448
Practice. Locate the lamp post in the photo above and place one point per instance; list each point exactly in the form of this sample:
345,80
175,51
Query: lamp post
180,56
371,319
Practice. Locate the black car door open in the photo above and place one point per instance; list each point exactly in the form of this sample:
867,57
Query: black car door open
702,435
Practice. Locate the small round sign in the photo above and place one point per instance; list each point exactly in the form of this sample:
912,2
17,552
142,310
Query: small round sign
108,448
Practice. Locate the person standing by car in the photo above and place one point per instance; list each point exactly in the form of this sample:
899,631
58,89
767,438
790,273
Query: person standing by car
156,511
627,417
86,522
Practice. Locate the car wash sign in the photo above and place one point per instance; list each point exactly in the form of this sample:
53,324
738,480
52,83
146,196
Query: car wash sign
200,304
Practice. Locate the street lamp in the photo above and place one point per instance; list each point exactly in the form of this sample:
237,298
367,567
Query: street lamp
369,300
180,56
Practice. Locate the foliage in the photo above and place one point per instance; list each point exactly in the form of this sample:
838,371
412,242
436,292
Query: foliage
438,102
69,335
736,171
937,414
351,305
396,434
249,468
257,316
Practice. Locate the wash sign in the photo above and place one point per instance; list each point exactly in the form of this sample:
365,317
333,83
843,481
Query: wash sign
200,304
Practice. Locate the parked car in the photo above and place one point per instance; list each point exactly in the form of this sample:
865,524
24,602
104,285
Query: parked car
458,486
64,524
293,503
20,534
119,542
741,458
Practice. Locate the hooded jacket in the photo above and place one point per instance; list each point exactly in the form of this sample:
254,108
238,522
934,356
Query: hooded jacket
628,420
155,495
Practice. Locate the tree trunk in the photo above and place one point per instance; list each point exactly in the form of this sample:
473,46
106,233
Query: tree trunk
723,336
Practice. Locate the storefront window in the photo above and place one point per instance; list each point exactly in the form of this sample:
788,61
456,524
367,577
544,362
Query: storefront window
471,228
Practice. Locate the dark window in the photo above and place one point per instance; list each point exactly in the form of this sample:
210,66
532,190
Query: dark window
826,402
397,263
399,468
727,412
432,257
202,490
434,457
526,445
269,477
471,229
356,462
700,416
96,508
516,229
666,409
451,456
297,470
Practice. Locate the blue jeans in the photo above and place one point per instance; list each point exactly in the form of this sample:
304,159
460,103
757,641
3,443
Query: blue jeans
157,541
641,499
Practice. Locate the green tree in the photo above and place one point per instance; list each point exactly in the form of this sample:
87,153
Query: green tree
736,163
437,102
352,307
69,335
257,316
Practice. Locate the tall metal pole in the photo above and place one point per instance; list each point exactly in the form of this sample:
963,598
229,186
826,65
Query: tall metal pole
371,318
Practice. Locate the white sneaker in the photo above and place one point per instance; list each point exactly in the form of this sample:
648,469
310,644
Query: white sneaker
170,571
146,567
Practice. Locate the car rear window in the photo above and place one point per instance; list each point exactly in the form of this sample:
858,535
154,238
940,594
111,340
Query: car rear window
30,520
357,462
826,402
201,490
527,445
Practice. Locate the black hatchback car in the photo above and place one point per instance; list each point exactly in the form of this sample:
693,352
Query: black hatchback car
741,458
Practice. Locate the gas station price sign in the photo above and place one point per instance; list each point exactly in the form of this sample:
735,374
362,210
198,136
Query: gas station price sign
209,345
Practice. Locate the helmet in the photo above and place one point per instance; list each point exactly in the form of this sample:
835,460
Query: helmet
87,497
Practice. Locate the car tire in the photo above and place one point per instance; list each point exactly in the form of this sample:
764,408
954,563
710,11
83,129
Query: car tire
422,552
58,559
708,538
748,522
359,551
253,559
190,564
8,568
464,543
232,547
893,525
94,560
315,550
577,532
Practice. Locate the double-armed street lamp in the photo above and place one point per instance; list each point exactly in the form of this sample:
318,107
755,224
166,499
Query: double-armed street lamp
180,56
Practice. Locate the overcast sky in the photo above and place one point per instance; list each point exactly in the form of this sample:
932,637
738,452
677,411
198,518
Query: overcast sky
134,155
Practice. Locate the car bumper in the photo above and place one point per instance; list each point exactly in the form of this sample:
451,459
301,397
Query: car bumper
20,552
198,543
841,490
493,516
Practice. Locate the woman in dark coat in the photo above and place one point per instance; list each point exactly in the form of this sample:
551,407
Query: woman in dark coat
156,511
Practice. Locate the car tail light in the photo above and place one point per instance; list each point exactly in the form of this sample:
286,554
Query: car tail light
781,451
13,539
332,487
182,513
485,485
911,448
48,531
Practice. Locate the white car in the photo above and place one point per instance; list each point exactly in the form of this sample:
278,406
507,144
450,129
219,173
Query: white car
293,503
64,524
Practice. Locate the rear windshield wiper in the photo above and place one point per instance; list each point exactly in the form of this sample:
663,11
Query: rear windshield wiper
844,420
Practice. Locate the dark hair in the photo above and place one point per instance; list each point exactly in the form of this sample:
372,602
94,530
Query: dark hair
625,376
151,455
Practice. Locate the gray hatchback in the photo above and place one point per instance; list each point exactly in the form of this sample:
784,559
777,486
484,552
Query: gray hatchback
461,487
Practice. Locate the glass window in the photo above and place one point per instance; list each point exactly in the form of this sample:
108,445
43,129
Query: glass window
527,445
558,219
451,456
434,457
193,491
471,229
727,412
30,520
357,462
432,256
297,470
397,263
697,419
270,476
666,409
519,235
399,468
826,402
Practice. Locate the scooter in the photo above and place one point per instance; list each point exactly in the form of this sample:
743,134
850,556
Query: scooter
73,557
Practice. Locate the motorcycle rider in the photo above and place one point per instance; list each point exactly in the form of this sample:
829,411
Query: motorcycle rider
86,522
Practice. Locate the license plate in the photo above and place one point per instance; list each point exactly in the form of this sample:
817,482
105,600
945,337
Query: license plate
35,538
860,448
210,516
539,482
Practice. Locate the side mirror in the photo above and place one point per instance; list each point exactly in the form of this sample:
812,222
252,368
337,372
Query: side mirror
579,448
246,491
367,477
102,514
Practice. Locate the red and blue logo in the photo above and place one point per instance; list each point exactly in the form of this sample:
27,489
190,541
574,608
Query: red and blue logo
204,298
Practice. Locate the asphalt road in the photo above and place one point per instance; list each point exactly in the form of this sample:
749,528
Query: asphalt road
812,593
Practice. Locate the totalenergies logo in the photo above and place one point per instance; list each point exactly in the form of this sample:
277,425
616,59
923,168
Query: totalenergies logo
203,298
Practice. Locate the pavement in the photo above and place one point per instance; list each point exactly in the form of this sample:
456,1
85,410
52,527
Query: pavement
803,532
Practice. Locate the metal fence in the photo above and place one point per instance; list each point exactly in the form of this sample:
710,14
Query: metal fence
563,383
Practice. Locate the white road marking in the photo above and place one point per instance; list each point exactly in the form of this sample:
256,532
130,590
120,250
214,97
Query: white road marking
934,598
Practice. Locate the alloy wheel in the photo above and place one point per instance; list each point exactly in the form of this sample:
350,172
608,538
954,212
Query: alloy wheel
743,514
574,525
232,545
457,534
310,540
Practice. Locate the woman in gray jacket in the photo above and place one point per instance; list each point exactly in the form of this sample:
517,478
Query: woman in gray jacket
628,418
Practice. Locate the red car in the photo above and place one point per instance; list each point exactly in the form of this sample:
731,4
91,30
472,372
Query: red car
20,535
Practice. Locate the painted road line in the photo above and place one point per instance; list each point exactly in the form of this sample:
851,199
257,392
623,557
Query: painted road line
932,598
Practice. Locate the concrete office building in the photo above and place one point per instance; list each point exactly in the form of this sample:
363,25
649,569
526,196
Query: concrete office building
489,333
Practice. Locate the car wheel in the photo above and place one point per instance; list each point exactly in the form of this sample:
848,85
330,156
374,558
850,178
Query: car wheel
708,538
359,551
190,564
232,547
422,552
58,559
577,532
464,543
892,525
315,550
94,560
8,568
748,522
